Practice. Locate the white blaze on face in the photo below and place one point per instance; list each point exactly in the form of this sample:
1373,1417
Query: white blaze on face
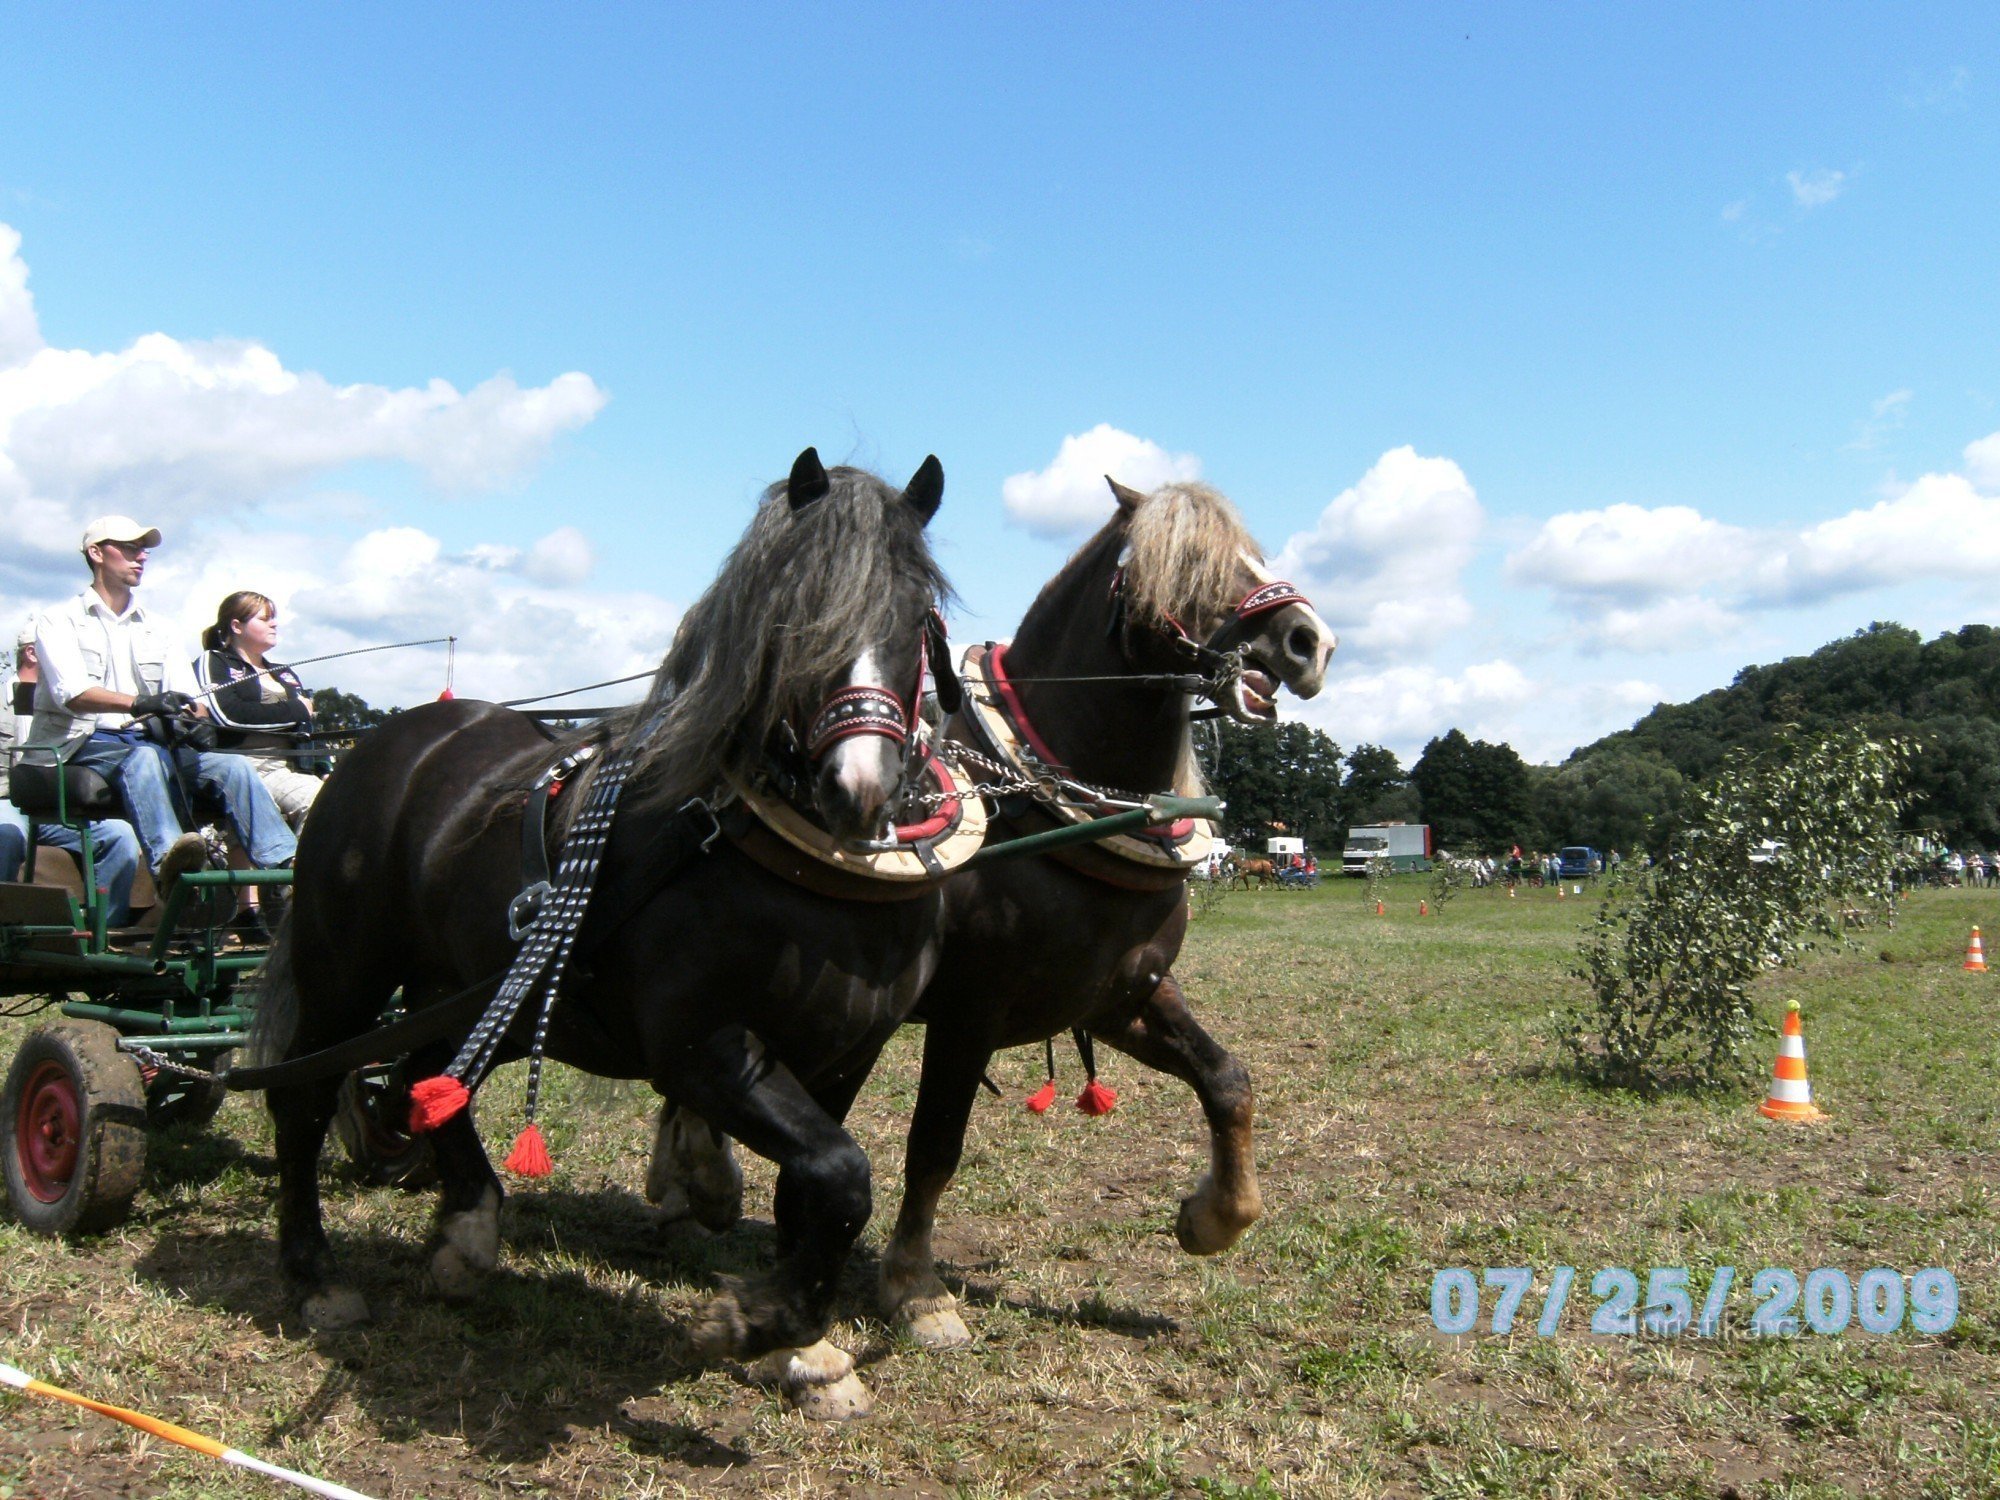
864,765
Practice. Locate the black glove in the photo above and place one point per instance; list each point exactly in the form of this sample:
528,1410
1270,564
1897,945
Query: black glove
161,705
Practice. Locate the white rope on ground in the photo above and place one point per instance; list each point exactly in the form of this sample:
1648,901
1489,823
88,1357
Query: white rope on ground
160,1428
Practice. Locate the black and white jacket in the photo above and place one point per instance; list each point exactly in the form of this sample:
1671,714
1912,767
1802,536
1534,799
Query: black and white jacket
248,714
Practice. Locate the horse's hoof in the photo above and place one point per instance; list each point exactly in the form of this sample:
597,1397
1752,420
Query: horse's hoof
334,1308
934,1322
818,1381
842,1400
722,1330
468,1246
1203,1231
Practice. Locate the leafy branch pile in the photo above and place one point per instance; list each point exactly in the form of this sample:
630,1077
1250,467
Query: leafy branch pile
1773,852
1377,887
1449,875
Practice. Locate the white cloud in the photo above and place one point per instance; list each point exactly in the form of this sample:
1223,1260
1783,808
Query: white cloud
1939,527
1982,463
1884,417
1403,707
1664,578
1817,188
176,429
20,333
1382,563
1662,625
1626,553
217,443
1070,495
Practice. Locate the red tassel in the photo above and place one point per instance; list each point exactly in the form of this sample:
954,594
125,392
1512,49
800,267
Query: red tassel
1042,1098
529,1158
1097,1098
435,1100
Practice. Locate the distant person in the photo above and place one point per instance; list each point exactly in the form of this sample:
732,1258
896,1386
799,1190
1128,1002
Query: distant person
259,705
114,846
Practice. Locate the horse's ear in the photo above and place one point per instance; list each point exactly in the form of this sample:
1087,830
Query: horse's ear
808,482
1128,498
926,488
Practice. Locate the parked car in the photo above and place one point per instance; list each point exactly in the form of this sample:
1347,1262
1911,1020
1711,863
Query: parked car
1580,862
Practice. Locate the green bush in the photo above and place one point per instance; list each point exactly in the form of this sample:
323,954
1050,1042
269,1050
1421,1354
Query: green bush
1774,852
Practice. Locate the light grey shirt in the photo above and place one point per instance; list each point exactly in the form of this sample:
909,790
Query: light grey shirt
83,643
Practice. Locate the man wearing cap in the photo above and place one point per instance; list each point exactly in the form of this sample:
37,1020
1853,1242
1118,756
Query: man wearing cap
105,665
114,846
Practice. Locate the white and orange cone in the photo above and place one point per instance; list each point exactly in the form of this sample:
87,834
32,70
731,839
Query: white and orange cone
1790,1097
1975,954
1423,908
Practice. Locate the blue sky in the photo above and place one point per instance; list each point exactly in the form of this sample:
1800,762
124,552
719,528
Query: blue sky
1576,356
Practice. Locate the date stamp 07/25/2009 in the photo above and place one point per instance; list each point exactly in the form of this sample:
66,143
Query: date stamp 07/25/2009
1827,1301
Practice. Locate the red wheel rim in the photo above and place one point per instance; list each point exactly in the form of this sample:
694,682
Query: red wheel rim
48,1132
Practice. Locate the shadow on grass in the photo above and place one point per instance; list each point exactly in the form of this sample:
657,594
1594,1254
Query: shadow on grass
535,1356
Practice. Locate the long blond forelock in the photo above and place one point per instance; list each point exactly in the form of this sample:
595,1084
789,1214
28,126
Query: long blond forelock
1185,547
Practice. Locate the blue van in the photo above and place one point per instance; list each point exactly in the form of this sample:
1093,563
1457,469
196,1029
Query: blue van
1580,861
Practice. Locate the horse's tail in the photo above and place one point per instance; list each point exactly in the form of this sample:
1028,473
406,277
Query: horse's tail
277,1018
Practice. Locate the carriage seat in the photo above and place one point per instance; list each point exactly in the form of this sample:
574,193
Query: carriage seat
86,794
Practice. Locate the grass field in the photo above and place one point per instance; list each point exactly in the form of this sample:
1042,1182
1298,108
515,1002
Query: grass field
1410,1119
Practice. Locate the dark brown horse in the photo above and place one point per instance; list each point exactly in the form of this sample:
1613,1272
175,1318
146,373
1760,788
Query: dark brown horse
761,1003
1037,946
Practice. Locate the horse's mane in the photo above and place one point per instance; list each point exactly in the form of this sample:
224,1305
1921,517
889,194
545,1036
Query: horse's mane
797,601
1182,546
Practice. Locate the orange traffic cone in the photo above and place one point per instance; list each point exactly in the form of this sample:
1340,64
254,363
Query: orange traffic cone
1790,1097
1975,953
1423,908
1378,908
1559,890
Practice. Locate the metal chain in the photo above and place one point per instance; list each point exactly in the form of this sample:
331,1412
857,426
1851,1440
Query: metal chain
153,1059
1047,784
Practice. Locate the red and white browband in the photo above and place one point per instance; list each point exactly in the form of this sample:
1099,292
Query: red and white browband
1269,596
857,710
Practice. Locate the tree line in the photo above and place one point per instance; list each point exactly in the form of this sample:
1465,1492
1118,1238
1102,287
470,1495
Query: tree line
1628,790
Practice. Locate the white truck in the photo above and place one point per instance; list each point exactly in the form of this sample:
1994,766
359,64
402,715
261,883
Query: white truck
1407,846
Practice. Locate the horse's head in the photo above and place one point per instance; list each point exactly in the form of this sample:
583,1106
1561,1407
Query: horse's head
861,731
805,656
1194,592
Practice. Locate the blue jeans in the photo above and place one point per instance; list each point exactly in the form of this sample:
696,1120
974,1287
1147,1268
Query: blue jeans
150,798
114,849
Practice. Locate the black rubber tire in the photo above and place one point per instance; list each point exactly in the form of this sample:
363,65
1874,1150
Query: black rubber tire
74,1110
174,1100
368,1121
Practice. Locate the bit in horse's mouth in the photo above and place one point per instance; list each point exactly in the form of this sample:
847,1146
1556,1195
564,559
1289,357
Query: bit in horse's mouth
1256,692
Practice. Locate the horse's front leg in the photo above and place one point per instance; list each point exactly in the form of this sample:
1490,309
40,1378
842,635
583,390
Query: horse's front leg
1164,1034
821,1205
465,1243
912,1294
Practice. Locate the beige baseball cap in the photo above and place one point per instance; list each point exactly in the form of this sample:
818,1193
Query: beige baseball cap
120,529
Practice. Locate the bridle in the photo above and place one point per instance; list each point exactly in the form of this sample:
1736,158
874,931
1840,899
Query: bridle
1213,666
868,709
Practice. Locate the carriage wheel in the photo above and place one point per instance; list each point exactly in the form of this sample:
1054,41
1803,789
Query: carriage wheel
172,1099
369,1119
75,1110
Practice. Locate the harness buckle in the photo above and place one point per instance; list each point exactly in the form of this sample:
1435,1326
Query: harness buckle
526,909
